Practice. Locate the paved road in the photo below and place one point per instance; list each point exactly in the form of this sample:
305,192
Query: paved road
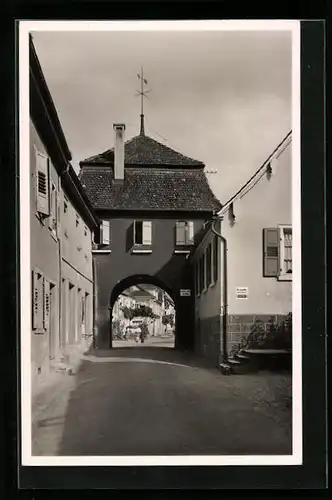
155,401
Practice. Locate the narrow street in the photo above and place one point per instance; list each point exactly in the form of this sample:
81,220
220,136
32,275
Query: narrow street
155,401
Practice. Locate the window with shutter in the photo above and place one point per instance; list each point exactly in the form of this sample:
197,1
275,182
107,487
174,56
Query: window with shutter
142,235
54,209
184,233
106,232
37,300
208,265
42,184
197,278
215,259
271,252
138,232
285,248
201,273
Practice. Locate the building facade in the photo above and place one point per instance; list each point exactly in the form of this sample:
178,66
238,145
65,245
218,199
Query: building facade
246,276
62,222
152,201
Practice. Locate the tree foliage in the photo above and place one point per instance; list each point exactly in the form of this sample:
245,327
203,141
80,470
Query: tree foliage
141,311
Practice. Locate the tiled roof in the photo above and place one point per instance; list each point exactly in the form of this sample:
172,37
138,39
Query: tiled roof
143,150
183,189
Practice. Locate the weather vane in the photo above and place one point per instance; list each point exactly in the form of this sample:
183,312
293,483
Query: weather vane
142,93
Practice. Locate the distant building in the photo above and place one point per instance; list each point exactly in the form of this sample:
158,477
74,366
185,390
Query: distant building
62,222
247,276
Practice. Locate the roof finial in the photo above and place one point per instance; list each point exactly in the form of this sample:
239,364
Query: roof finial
142,93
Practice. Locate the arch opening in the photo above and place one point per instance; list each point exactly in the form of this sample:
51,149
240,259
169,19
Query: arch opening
142,312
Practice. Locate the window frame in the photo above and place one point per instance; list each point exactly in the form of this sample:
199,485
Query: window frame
53,191
142,247
209,249
282,274
42,214
99,246
188,240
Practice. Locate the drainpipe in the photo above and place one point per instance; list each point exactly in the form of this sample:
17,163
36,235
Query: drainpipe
225,288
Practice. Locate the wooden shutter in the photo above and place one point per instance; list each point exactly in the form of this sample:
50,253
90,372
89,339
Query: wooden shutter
46,304
105,232
271,252
42,184
147,232
190,233
180,233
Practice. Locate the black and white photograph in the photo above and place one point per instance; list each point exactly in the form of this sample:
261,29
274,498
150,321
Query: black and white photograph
160,222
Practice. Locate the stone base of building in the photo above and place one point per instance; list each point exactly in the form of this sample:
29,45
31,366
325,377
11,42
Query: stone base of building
240,325
209,335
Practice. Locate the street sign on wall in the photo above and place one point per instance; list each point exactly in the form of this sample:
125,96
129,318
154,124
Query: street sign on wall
242,292
185,293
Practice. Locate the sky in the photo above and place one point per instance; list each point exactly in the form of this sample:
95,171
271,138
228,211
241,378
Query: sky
220,97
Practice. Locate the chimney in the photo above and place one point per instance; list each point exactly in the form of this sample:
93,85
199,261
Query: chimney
119,129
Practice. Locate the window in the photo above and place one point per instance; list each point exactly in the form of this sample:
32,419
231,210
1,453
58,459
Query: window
277,244
215,259
201,273
47,298
208,265
105,232
197,279
65,207
142,233
37,300
85,231
102,237
53,220
285,251
42,184
41,302
184,233
77,220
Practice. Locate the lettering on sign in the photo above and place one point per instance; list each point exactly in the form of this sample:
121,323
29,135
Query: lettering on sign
242,292
185,293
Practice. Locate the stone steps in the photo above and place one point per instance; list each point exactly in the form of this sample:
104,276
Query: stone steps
254,360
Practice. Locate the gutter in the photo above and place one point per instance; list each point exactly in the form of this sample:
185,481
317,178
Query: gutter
225,290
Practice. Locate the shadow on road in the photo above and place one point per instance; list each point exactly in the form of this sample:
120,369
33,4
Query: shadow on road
150,354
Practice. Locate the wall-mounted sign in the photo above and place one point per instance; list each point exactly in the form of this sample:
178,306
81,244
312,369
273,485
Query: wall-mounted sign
185,293
242,292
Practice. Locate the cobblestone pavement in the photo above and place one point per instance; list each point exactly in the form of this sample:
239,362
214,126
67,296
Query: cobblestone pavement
155,401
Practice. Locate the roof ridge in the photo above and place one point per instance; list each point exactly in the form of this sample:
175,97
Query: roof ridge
141,139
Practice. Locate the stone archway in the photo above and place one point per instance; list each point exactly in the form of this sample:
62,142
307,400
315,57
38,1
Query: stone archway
140,279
